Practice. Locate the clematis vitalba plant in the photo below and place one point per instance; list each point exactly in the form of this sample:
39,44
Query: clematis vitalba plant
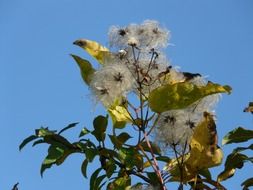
159,127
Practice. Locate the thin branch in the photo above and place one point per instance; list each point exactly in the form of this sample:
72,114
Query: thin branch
158,172
180,166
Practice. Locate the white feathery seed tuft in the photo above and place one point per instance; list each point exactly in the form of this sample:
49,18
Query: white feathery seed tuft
147,35
111,82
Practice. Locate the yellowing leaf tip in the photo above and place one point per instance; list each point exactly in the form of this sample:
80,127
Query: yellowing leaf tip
93,48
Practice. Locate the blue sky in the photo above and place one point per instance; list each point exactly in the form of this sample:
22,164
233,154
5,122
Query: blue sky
41,86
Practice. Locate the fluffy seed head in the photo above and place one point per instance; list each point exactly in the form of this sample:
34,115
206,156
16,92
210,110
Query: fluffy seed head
175,128
147,35
111,82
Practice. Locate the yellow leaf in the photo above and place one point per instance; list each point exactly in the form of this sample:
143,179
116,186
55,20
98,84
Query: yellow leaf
119,115
86,68
96,50
175,171
204,152
182,94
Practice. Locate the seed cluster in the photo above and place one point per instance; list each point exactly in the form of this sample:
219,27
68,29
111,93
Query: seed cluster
139,65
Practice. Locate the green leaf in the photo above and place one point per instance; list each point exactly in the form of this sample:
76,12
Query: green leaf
86,68
44,167
58,140
54,153
233,161
51,138
42,132
136,186
90,154
98,185
123,137
84,131
240,149
130,157
114,141
87,143
181,95
40,141
108,153
84,168
119,184
67,152
238,135
205,173
119,140
110,167
27,140
247,183
68,127
163,159
153,178
100,125
93,178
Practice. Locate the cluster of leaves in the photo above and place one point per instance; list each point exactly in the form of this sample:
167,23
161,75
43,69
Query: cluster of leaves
237,159
117,164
